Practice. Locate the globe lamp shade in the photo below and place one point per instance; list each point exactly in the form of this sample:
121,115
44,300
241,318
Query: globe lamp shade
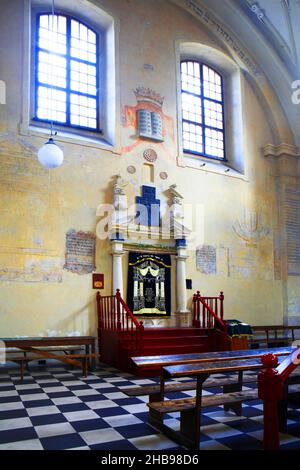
50,155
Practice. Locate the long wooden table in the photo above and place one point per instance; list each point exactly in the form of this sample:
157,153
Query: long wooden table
166,360
36,345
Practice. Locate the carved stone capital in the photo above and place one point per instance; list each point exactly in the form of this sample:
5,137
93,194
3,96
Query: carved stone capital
285,158
282,150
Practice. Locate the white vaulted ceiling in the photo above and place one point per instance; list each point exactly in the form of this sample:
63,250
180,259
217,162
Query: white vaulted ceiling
268,34
278,21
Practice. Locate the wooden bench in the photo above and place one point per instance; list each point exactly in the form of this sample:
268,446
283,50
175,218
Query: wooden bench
184,386
71,359
273,335
41,348
190,408
190,414
65,349
228,384
176,359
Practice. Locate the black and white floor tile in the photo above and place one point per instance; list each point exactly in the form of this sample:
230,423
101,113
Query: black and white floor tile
55,408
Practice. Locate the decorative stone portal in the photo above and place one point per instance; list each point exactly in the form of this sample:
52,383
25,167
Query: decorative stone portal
151,244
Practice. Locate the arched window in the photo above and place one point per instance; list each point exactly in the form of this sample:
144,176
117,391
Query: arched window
66,72
202,99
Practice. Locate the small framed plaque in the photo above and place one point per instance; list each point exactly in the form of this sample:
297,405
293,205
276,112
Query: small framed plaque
98,281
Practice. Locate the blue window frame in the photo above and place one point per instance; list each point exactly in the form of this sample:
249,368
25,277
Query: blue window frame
202,98
66,72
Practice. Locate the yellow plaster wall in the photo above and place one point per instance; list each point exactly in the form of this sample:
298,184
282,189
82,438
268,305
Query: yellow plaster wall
38,206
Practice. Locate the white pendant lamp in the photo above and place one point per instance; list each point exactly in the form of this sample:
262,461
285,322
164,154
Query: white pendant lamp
50,155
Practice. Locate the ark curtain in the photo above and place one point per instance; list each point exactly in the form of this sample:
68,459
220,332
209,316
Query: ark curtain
149,284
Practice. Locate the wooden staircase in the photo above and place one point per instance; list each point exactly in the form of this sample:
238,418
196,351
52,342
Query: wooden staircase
122,336
160,341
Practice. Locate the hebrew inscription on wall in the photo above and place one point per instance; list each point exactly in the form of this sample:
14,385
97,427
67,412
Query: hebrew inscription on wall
80,252
206,259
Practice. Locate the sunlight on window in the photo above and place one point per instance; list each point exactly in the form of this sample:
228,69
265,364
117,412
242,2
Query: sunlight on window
202,110
67,68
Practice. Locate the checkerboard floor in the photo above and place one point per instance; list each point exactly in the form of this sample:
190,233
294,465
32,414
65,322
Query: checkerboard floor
56,408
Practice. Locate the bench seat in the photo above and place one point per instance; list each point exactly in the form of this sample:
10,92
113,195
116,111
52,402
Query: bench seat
183,386
183,404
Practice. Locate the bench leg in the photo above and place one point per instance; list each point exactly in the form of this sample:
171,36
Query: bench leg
87,351
190,420
21,371
84,367
93,351
26,363
154,417
236,407
190,427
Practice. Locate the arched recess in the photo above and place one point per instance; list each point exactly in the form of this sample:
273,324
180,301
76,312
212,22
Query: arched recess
107,26
233,95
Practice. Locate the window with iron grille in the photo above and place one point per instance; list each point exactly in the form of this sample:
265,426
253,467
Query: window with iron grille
202,98
66,72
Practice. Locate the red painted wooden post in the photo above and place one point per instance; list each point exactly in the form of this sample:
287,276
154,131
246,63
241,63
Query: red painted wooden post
270,390
141,335
198,309
118,297
194,310
196,301
99,312
221,305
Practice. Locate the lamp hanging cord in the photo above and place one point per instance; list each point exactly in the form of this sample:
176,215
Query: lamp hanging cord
51,122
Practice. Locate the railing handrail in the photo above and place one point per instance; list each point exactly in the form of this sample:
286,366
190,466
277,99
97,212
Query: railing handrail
209,298
221,322
116,310
115,318
198,298
138,324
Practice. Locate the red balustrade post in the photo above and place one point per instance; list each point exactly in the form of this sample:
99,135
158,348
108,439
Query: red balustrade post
270,390
140,335
197,309
99,310
198,296
221,297
118,298
194,310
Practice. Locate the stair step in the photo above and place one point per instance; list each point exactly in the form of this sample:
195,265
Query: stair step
167,332
177,341
183,336
167,335
156,341
165,349
171,340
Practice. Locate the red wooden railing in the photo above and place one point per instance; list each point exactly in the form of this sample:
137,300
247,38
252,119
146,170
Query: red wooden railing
208,312
271,389
114,315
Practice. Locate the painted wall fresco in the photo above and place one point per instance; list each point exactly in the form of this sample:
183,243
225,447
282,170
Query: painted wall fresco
38,207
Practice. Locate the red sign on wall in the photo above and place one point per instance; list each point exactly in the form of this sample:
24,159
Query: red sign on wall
98,281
